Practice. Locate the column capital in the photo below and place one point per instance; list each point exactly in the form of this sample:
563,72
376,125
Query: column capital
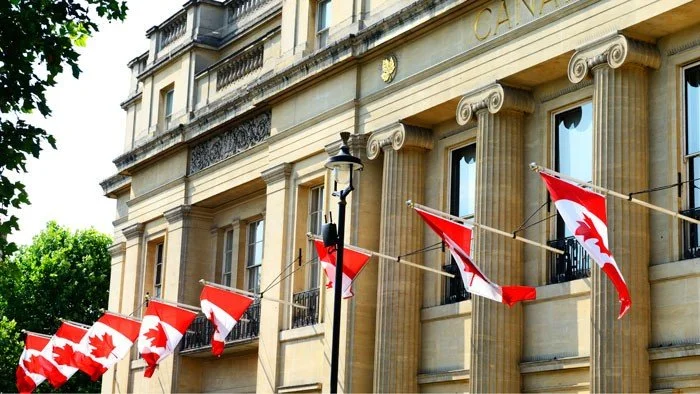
397,136
277,173
178,213
493,97
117,250
357,144
613,50
133,231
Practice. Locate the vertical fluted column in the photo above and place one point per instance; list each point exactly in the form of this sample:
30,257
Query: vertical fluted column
496,329
399,290
619,357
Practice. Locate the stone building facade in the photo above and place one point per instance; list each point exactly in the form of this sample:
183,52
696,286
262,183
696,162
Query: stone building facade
237,105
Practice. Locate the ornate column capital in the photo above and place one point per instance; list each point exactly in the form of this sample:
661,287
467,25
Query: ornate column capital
277,173
397,136
117,250
178,213
133,231
613,50
493,97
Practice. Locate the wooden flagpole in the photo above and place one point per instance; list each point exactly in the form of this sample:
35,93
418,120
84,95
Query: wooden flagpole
487,228
75,323
396,259
120,314
538,168
23,331
248,293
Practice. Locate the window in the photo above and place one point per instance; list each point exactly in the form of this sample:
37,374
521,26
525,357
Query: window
691,85
323,21
255,254
314,224
228,259
158,272
462,198
573,155
168,106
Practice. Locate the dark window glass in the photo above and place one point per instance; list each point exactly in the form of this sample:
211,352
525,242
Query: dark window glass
463,181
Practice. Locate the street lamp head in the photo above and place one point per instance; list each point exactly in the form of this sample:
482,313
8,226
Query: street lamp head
343,163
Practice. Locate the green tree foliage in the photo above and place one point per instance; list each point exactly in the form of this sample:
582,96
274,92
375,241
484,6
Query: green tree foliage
39,38
60,275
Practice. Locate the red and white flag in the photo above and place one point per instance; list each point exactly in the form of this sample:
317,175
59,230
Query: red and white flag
33,367
106,343
458,240
61,351
584,213
224,309
353,262
162,328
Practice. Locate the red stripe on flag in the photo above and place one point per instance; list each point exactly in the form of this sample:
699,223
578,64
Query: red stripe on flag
127,327
25,384
178,318
232,303
621,287
563,190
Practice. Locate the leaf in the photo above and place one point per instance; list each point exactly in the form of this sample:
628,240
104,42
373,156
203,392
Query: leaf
588,230
34,365
157,336
103,346
64,356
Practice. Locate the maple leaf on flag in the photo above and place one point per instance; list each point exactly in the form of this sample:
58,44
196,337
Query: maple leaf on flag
34,365
588,230
102,346
157,336
64,356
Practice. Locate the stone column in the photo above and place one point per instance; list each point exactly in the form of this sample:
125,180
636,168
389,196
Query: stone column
399,290
619,358
496,328
118,253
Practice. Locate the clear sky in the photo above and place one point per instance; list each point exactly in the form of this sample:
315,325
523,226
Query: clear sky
63,184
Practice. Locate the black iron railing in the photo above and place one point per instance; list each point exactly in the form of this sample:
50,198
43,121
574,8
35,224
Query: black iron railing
308,316
573,264
454,287
691,235
199,333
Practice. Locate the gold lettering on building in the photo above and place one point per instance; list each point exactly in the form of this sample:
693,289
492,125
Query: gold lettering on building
528,5
503,17
544,2
476,24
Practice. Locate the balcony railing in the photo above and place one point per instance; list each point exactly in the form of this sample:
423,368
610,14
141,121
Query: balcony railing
691,235
573,264
173,30
454,287
200,331
239,8
308,316
239,66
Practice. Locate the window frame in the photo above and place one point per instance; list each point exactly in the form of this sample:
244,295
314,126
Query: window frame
687,157
313,270
450,183
168,104
322,33
228,254
248,266
158,265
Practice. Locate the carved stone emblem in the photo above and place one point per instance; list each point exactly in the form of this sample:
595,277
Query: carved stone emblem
235,140
389,64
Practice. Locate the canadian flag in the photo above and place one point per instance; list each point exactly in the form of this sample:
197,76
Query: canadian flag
33,367
61,351
224,309
353,262
584,214
458,239
162,328
106,342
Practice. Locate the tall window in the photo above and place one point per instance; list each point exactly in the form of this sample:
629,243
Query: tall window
255,254
462,198
323,21
573,134
228,259
314,220
692,143
158,272
168,106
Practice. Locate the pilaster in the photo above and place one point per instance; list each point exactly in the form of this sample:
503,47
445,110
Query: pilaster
276,258
497,329
399,290
118,253
619,357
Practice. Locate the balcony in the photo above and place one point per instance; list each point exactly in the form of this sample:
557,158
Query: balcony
173,30
691,236
198,336
573,264
454,287
308,316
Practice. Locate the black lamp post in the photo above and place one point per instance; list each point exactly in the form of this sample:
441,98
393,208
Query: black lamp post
343,165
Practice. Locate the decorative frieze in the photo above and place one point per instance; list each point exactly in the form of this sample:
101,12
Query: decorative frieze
493,97
239,66
615,50
237,139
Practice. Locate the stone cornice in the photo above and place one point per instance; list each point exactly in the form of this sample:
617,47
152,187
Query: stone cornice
117,250
277,173
133,231
397,136
177,214
613,50
493,97
114,184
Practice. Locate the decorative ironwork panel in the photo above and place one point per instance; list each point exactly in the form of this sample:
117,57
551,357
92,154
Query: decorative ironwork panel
199,333
691,236
239,66
454,287
308,316
573,264
240,137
